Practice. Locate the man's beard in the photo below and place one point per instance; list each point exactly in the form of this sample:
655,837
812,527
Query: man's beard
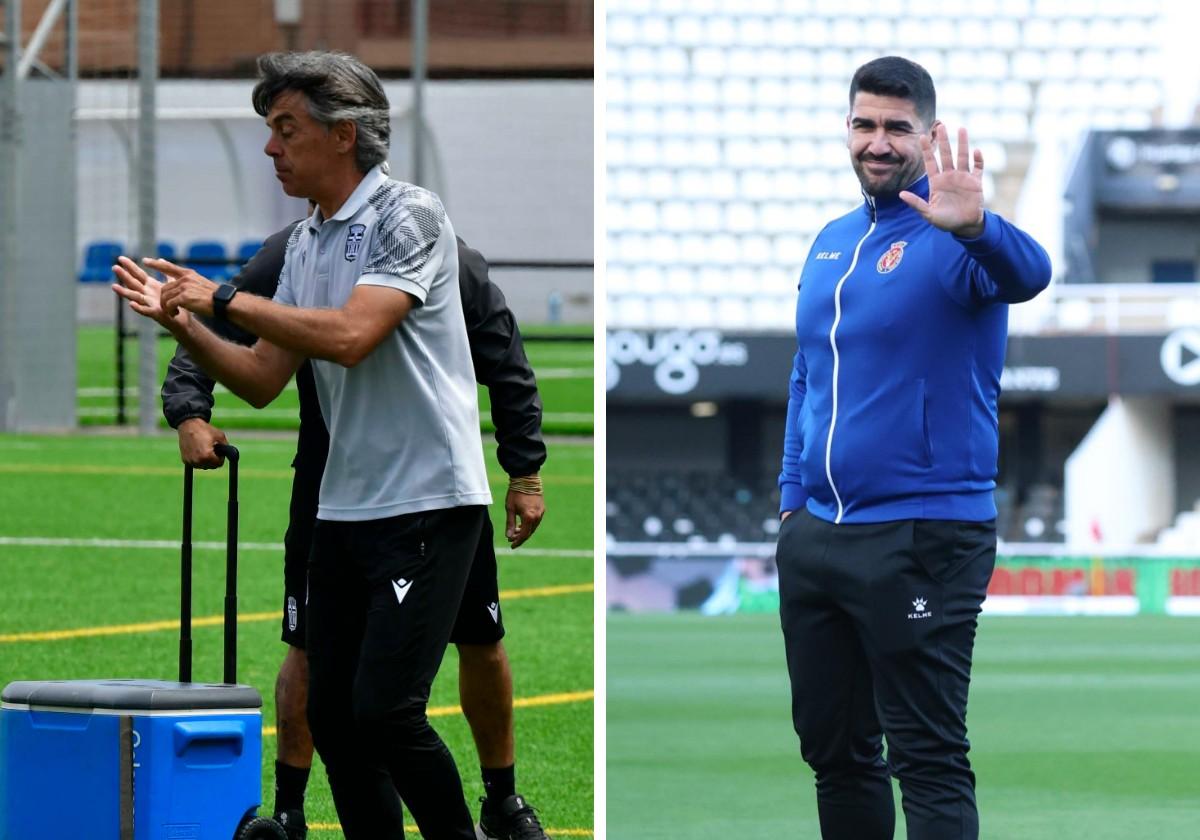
903,175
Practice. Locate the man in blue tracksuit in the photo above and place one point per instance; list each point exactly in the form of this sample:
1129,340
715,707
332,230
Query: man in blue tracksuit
889,539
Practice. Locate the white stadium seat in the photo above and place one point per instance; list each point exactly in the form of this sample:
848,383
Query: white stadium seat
643,216
644,151
726,125
733,314
709,216
621,29
694,312
741,217
640,61
628,311
665,249
720,31
791,250
655,30
679,280
753,31
713,281
617,280
648,280
687,31
773,313
757,250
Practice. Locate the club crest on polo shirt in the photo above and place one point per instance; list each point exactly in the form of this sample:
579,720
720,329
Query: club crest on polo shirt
354,241
891,258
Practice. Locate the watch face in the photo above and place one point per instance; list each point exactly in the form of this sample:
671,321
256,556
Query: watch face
221,298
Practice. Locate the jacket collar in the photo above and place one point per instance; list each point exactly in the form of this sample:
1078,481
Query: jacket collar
890,204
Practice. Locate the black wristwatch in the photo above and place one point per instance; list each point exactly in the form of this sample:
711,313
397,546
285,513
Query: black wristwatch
221,298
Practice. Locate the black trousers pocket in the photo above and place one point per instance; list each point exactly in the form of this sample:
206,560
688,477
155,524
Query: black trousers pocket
945,547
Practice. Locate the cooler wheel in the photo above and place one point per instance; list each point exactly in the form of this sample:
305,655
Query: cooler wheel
260,828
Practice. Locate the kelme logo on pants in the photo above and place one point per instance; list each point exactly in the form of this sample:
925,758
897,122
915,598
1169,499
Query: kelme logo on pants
919,609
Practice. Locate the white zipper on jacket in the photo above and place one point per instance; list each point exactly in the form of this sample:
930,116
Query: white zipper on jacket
837,317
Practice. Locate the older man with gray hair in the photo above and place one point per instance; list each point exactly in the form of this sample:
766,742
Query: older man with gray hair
369,291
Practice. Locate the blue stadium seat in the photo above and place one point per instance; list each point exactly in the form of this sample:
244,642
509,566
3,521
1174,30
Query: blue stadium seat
208,257
98,259
167,251
248,249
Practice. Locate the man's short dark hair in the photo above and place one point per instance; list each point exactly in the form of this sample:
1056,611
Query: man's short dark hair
338,87
900,78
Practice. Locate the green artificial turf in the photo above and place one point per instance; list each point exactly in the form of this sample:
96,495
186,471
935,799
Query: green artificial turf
563,369
127,490
1080,728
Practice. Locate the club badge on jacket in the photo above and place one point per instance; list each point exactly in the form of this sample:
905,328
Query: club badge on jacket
891,258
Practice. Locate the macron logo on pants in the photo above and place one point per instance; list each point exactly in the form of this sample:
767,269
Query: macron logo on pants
401,586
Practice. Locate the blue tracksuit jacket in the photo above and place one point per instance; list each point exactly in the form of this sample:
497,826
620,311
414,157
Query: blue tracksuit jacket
901,332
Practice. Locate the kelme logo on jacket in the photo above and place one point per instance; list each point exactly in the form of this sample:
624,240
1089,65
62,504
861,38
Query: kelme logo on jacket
891,258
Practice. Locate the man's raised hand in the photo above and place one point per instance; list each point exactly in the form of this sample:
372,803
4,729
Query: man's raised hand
955,189
143,292
184,289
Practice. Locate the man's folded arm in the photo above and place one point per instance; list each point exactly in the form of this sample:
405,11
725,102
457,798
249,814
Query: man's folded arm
257,373
345,336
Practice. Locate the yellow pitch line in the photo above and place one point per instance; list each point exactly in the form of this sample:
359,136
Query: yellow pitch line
518,703
547,591
125,629
243,618
555,832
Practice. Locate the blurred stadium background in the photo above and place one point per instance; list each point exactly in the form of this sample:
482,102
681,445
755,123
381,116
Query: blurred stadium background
126,127
725,155
505,138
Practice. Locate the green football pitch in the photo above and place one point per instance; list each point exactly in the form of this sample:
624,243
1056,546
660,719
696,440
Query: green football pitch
89,531
563,368
1080,728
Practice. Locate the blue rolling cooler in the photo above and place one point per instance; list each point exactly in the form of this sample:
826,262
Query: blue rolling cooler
139,759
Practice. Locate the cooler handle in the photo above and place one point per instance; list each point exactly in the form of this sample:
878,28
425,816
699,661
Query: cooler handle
231,455
189,733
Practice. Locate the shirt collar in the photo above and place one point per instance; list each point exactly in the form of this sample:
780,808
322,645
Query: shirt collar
373,180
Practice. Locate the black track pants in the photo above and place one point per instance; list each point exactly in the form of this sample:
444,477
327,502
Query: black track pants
383,597
879,626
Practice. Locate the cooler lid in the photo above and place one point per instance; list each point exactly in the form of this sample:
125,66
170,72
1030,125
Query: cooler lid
117,694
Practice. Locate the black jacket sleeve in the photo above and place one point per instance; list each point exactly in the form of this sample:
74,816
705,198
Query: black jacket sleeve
501,366
187,390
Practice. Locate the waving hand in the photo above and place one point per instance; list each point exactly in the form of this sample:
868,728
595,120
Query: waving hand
955,189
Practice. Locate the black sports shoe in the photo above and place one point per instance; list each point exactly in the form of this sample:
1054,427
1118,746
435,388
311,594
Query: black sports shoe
293,823
515,819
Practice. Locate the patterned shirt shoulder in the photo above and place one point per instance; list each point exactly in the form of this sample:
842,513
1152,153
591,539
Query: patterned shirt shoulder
409,222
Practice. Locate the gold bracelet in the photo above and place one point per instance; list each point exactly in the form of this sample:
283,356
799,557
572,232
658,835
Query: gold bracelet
529,484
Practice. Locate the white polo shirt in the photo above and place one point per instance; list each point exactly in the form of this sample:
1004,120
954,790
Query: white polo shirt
403,423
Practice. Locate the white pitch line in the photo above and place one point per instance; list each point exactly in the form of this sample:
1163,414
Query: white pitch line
294,413
100,542
540,373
